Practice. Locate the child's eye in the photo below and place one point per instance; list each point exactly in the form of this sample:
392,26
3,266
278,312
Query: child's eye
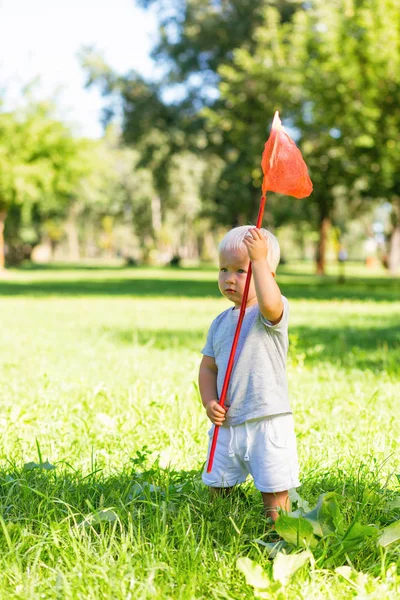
241,271
223,270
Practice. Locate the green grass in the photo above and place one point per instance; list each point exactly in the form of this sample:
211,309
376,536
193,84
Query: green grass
97,376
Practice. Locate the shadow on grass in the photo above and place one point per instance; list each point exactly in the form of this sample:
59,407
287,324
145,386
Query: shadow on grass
293,286
160,339
60,267
113,287
158,500
82,266
155,501
327,288
375,348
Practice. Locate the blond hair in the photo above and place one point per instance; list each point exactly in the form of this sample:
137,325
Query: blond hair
233,240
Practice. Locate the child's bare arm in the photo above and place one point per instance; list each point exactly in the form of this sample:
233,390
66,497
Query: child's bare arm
208,390
267,290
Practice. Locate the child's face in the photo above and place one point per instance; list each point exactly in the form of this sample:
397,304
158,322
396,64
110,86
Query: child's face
233,267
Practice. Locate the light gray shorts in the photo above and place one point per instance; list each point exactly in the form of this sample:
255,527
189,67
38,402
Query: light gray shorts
264,448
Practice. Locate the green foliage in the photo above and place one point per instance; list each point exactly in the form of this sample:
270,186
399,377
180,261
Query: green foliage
33,465
332,69
114,185
174,180
326,73
40,162
321,530
333,546
285,566
196,39
197,36
390,534
254,574
325,517
297,531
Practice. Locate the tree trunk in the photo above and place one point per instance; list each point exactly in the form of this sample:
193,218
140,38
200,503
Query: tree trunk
394,251
207,247
300,242
156,219
322,244
3,215
71,229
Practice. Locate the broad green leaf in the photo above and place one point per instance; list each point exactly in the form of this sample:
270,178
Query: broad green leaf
287,564
46,466
357,536
302,505
138,490
273,548
389,534
253,572
106,515
325,517
392,504
358,580
296,530
345,571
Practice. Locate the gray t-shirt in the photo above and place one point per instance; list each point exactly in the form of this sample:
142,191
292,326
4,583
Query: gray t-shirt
258,385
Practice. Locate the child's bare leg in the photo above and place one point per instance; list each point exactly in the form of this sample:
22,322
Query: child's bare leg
275,501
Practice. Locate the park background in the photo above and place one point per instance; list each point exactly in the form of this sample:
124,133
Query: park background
130,140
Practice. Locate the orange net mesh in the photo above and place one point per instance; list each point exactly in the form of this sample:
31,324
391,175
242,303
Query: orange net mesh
285,171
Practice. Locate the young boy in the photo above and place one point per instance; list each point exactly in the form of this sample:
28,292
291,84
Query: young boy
257,432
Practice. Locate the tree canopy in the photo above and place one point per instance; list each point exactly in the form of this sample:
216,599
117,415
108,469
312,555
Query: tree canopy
332,69
40,165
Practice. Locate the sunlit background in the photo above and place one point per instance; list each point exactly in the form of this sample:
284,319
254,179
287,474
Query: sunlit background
167,106
151,118
40,44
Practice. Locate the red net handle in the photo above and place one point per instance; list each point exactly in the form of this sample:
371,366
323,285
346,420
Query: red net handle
234,343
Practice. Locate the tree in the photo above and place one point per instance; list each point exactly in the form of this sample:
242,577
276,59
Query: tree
327,72
332,69
197,37
166,140
352,90
40,165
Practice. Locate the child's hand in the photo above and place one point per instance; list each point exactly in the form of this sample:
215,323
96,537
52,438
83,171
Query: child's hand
215,412
256,245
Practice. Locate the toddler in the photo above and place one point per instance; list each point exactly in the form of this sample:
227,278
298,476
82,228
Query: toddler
256,425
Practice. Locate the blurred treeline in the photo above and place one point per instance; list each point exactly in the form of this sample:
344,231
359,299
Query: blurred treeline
186,161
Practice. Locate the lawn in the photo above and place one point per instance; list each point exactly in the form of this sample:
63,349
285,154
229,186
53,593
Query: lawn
103,438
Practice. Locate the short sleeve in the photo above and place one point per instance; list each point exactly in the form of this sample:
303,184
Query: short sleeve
283,323
208,349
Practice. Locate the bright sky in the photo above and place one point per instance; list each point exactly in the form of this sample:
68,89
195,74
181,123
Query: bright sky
41,38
